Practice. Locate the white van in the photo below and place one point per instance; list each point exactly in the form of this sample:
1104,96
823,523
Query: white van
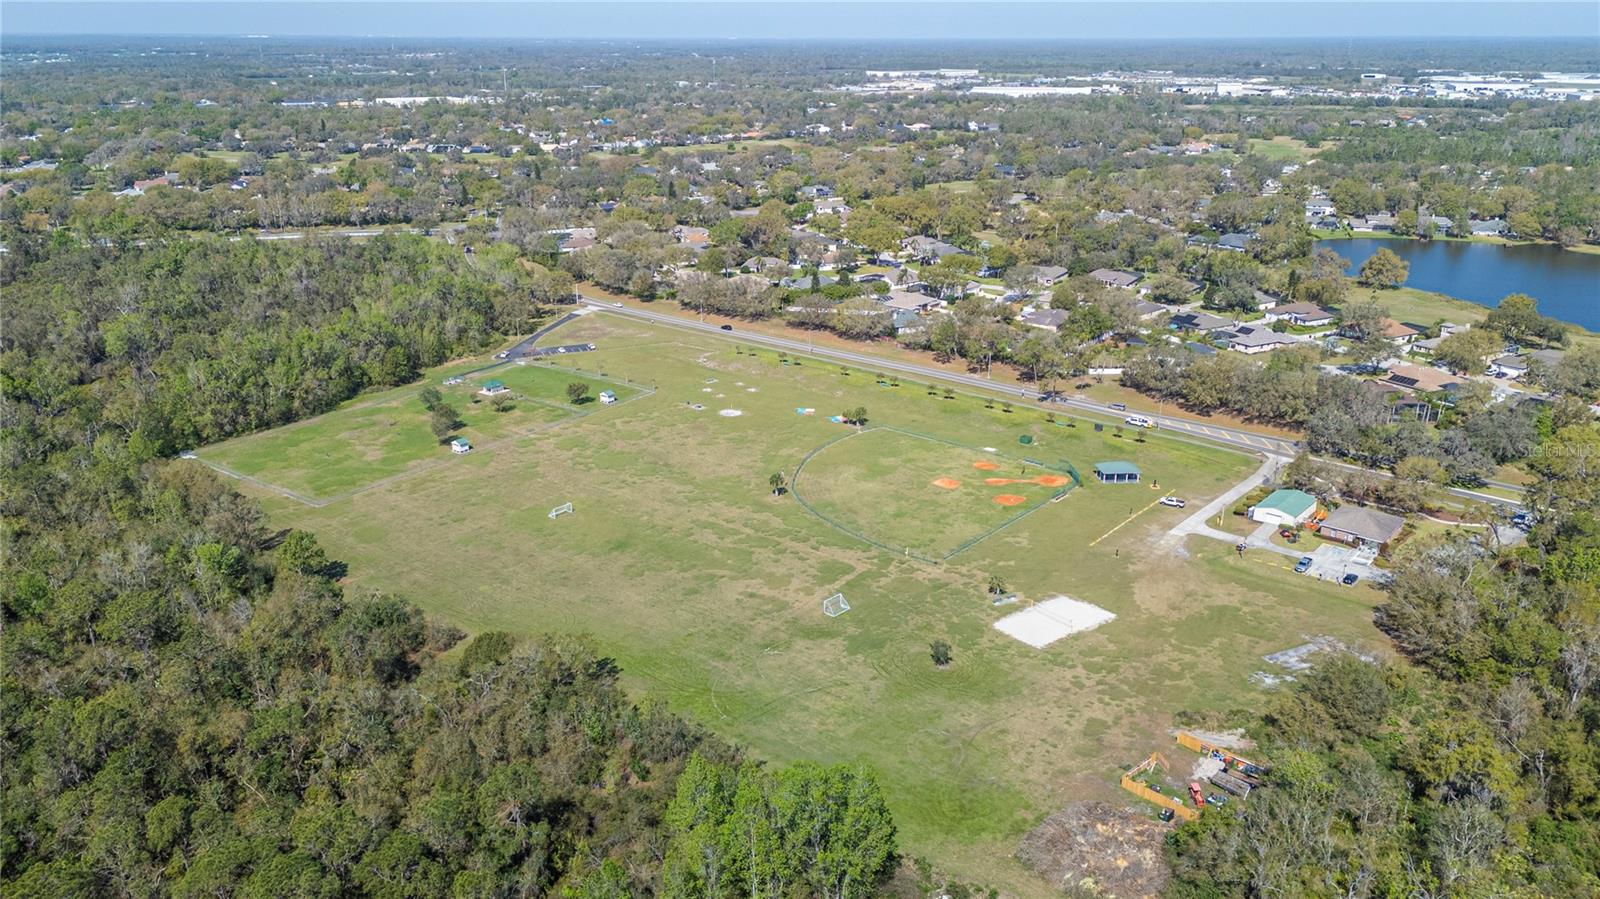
1139,421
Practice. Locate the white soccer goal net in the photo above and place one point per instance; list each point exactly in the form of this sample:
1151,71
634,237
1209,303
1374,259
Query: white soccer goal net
561,509
835,605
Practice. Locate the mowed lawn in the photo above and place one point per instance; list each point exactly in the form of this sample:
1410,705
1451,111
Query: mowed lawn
387,434
707,589
902,490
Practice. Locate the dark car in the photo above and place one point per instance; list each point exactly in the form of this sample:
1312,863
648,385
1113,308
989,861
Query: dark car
1350,578
727,327
1301,566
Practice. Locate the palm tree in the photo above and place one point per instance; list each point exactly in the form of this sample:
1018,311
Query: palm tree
997,586
777,482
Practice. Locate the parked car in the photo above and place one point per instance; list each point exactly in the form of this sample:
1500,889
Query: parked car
1350,578
1139,421
1173,501
1216,799
1302,566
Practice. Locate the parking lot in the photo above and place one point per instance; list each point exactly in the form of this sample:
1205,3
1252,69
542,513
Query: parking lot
1330,562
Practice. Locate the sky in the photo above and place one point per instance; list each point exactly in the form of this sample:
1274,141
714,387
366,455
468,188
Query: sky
809,19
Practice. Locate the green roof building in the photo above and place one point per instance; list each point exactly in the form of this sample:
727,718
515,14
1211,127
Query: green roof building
1286,508
1116,472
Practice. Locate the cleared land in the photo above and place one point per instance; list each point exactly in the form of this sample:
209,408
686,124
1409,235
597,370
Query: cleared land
706,589
388,434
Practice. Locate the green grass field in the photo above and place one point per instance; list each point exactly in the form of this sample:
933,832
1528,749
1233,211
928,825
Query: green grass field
388,434
680,563
1285,149
901,490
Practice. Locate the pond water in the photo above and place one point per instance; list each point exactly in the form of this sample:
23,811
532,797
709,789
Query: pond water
1566,284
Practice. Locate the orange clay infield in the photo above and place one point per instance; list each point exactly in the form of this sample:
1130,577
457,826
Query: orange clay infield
946,483
986,465
1044,480
1010,499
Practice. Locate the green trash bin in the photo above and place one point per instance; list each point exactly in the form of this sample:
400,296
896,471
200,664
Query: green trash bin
1025,439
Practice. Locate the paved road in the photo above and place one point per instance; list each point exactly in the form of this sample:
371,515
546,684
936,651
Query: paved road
1199,521
1236,438
1213,433
524,347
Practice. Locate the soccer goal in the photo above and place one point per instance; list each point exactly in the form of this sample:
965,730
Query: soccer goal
835,605
561,509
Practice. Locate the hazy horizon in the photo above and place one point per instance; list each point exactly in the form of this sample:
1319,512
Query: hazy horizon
793,20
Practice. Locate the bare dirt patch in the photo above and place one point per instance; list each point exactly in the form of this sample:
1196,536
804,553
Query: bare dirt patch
986,465
1010,499
1095,848
946,483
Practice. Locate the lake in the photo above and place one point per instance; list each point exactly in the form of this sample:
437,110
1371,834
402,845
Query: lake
1566,284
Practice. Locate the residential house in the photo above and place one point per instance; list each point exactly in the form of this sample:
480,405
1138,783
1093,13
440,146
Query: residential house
1147,310
1048,319
1489,228
1203,322
1317,208
1361,526
1421,379
576,242
807,282
1399,333
1234,241
1306,315
688,235
1440,223
494,388
170,179
1378,222
460,446
1115,278
1516,365
1253,339
1266,301
905,300
1048,275
814,191
1431,344
929,249
832,206
905,320
765,264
